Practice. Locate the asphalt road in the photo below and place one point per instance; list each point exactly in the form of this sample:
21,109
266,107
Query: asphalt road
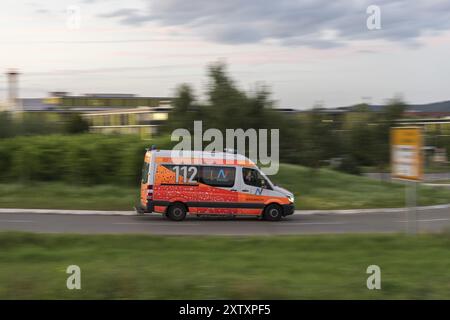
429,220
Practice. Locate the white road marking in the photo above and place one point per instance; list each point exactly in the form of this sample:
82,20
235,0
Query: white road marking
156,224
16,221
424,220
308,223
297,212
281,224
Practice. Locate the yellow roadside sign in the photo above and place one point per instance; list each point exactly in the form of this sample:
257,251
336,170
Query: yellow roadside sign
406,153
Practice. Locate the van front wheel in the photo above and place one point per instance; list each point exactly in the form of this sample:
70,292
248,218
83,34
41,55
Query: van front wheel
176,212
273,212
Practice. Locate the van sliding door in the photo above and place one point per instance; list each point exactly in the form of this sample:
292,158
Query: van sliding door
218,190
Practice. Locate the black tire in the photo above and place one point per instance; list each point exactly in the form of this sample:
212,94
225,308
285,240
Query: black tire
176,212
273,212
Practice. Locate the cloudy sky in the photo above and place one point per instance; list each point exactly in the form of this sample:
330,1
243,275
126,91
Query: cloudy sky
307,51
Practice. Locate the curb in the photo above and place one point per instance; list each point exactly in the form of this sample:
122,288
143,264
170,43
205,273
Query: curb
297,212
437,184
364,211
74,212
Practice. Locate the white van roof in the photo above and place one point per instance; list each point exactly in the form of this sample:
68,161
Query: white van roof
201,154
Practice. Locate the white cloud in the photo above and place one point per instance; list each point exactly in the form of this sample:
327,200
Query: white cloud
292,22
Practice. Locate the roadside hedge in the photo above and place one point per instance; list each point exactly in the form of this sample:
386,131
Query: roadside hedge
76,159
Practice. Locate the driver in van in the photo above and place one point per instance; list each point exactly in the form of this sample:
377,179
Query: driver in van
248,177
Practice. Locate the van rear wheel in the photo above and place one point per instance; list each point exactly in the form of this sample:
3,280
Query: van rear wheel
273,212
176,212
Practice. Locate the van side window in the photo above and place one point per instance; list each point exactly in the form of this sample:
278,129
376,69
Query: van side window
217,176
184,174
252,177
145,169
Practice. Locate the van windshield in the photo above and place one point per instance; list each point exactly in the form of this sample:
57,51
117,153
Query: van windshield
255,178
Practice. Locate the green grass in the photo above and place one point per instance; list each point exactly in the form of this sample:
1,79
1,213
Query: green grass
328,189
433,168
32,266
57,195
322,189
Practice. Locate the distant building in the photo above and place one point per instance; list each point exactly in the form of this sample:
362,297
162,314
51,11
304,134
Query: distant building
107,113
432,126
144,121
63,101
89,102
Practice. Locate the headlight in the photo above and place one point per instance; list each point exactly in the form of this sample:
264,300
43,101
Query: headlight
291,199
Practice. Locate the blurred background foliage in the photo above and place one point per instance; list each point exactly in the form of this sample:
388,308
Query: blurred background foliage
35,148
359,138
79,159
40,123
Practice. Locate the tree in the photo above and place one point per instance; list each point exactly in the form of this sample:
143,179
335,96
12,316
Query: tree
76,124
6,125
185,110
394,110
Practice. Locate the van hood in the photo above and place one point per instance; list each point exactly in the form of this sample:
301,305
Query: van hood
283,191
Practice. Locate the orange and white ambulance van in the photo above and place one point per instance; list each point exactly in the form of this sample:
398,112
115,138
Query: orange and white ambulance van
208,183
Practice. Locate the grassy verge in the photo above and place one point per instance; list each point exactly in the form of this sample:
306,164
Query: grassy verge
322,189
57,195
328,189
32,266
444,168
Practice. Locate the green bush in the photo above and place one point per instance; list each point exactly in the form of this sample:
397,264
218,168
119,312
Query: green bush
349,165
76,159
41,123
75,123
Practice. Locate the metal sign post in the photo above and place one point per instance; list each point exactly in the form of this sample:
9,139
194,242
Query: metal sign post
407,165
411,207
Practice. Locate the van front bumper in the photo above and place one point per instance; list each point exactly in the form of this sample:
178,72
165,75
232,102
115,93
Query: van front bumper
288,209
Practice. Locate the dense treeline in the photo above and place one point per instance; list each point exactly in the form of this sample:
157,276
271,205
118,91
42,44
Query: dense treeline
77,159
357,138
314,138
39,123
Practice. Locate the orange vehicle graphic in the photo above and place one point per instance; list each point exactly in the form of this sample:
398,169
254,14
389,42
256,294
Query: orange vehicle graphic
209,183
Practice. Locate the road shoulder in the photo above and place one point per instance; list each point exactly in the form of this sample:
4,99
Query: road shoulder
297,212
